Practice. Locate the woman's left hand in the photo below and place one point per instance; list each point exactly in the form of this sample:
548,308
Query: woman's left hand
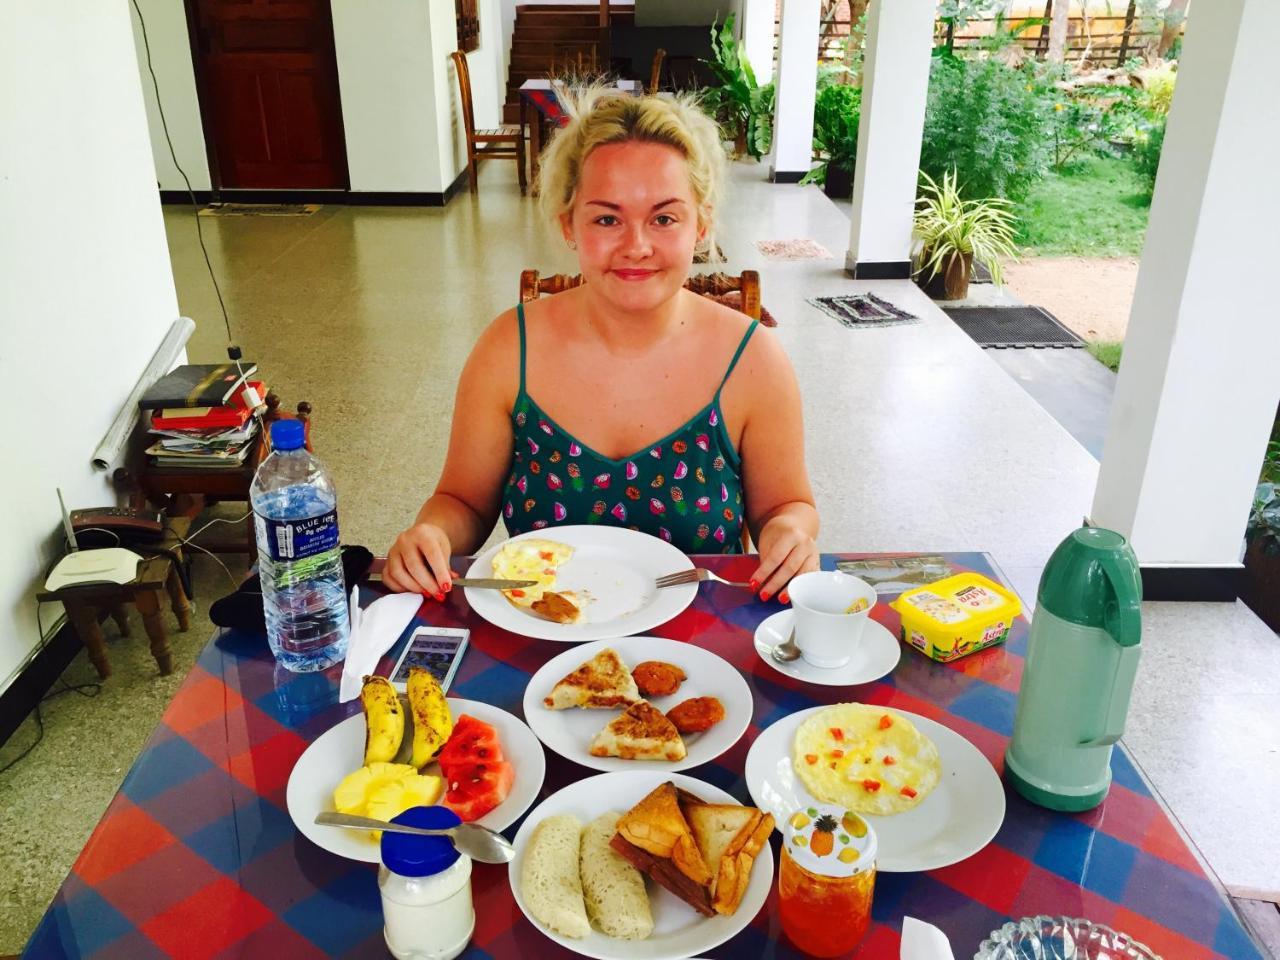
786,550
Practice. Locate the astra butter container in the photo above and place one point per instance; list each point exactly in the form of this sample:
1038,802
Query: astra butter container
955,617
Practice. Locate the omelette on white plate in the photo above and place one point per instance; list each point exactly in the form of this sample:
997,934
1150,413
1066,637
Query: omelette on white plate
869,759
539,560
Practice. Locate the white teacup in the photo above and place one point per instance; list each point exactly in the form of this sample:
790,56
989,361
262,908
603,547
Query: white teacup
826,635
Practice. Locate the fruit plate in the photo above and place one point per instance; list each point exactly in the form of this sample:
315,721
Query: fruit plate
957,819
613,569
570,732
678,930
340,750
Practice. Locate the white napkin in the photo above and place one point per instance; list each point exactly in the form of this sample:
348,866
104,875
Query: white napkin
923,941
373,631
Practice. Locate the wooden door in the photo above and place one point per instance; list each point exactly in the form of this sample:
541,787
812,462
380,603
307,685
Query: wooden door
269,93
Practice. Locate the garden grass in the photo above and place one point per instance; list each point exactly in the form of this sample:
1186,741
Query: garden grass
1106,353
1097,208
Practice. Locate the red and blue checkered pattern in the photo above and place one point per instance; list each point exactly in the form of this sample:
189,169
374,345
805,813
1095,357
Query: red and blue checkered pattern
196,857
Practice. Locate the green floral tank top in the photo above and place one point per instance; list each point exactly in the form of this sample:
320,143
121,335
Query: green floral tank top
686,488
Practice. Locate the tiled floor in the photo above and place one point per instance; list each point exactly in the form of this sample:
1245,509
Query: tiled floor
917,441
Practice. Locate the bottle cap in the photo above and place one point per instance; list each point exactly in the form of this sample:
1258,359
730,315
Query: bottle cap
287,434
412,856
845,843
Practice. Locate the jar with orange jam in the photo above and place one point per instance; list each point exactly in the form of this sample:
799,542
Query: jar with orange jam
826,880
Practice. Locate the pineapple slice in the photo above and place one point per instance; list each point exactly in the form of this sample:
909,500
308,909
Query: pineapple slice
352,794
396,796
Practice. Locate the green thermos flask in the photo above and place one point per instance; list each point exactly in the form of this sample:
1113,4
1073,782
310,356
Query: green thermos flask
1082,657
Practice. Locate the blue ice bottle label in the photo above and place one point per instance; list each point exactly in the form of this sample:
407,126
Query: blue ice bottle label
288,540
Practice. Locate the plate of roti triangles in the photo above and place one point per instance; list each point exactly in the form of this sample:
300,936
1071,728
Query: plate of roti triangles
587,705
588,582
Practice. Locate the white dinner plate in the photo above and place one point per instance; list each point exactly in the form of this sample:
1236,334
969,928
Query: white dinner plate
956,820
340,750
612,569
678,929
876,655
570,732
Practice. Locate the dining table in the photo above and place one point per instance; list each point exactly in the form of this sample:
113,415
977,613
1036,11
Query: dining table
197,857
541,102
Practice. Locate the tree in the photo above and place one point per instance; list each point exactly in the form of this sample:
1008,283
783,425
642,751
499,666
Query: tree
1058,32
1174,15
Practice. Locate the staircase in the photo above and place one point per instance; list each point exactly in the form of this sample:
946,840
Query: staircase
546,33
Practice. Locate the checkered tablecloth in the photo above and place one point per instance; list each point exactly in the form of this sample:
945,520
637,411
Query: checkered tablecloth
196,856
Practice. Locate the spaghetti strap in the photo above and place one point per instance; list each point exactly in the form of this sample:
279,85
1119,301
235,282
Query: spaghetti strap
520,322
732,363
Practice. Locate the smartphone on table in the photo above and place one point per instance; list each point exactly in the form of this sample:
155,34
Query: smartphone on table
437,649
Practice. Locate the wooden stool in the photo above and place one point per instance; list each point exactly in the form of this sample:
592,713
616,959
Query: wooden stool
156,576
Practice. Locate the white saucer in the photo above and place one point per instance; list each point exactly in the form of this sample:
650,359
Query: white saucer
876,656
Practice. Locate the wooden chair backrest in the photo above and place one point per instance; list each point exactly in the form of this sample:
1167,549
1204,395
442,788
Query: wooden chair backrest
532,286
655,73
464,87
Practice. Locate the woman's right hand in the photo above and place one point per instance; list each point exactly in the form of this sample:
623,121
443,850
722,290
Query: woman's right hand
418,562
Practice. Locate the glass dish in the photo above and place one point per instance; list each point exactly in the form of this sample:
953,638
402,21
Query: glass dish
1060,938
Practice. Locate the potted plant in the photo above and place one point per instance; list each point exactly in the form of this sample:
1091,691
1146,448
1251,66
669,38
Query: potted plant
739,103
835,138
952,232
1262,538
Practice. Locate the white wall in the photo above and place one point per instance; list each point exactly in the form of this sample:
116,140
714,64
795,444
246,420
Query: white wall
86,290
171,59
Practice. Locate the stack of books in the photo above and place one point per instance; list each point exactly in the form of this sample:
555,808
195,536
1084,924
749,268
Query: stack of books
200,416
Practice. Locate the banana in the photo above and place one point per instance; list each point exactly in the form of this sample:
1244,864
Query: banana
383,720
432,721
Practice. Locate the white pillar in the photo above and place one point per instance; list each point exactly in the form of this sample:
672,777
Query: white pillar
895,87
757,37
797,86
1199,383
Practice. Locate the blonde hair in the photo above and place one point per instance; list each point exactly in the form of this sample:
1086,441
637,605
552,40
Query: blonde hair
600,115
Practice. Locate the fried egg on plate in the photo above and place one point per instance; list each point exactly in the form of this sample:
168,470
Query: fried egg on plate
866,758
530,559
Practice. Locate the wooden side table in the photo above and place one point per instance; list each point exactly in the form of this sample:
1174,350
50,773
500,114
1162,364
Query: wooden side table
157,576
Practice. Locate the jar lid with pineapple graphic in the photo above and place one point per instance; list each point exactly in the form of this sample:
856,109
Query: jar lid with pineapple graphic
830,841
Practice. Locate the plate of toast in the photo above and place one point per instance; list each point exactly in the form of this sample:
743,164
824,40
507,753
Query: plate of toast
638,701
642,865
584,583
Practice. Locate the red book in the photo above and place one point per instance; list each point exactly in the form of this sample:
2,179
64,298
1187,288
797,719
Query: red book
233,414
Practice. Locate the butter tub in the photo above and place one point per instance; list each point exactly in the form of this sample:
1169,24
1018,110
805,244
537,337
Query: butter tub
955,617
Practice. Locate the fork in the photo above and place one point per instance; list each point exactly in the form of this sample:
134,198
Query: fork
697,575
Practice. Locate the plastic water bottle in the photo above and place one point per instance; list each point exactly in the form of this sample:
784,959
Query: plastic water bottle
303,593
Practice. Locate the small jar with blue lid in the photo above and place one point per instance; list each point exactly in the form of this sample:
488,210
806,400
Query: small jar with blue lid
426,889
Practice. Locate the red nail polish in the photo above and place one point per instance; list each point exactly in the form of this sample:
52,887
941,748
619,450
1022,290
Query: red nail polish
765,595
783,598
755,586
447,587
440,597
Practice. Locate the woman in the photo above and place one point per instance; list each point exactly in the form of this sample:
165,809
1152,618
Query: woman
628,400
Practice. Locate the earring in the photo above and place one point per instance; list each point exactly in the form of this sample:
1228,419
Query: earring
573,244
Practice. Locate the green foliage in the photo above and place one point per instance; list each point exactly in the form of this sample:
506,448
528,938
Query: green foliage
1264,518
1089,120
1106,352
835,129
1157,89
986,121
946,223
1097,208
955,14
739,104
1147,147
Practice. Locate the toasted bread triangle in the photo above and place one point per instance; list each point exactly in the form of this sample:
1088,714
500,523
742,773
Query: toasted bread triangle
657,826
729,838
602,682
640,732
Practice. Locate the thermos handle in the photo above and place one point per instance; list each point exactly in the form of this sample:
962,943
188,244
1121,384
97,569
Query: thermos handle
1123,622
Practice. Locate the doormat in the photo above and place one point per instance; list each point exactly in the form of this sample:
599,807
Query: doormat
1024,326
862,310
793,250
259,209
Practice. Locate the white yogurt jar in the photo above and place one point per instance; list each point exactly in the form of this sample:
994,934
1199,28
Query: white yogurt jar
426,889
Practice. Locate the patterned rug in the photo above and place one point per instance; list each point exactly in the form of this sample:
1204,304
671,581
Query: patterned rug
863,310
794,250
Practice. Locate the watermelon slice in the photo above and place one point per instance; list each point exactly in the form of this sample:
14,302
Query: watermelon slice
475,789
472,741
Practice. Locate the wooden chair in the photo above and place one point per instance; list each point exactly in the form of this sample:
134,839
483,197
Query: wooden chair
714,285
655,72
499,143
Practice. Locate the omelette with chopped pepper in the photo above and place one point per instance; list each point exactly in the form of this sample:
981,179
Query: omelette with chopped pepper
867,758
